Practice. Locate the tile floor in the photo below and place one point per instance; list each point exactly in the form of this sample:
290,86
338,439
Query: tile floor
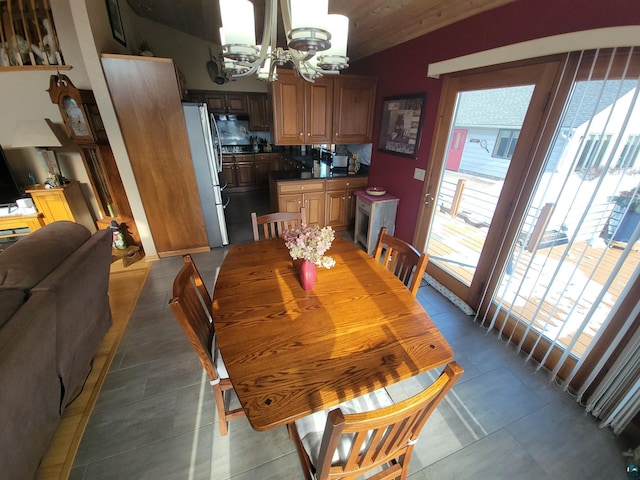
155,416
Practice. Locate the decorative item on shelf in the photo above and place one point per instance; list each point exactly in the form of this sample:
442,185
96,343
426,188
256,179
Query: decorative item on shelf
145,49
309,243
119,243
316,41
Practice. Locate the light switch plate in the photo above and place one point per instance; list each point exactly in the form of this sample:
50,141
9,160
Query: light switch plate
418,174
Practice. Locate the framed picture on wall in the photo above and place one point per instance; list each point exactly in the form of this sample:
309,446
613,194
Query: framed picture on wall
401,124
116,21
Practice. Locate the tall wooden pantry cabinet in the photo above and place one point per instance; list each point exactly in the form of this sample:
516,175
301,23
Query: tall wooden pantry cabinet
147,100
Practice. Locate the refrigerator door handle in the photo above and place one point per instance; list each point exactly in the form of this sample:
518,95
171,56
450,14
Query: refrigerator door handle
210,145
218,143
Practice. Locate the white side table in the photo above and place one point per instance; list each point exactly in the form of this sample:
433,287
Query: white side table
373,213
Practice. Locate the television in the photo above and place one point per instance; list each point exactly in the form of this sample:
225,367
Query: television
9,189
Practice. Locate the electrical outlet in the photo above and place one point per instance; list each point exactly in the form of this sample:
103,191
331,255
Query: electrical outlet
418,174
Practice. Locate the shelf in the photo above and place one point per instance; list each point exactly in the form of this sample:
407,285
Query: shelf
34,68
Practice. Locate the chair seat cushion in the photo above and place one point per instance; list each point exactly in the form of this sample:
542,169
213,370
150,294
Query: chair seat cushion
311,428
220,366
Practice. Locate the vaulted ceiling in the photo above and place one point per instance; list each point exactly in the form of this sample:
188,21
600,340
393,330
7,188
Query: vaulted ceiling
374,25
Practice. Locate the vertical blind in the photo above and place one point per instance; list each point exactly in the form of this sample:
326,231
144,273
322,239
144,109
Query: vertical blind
573,293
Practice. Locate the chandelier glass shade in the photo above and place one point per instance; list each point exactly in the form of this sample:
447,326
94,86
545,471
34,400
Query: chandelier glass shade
316,41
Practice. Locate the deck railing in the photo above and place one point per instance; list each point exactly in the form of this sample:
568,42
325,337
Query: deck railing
27,34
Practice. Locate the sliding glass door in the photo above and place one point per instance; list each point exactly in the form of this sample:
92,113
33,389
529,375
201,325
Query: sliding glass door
532,210
489,121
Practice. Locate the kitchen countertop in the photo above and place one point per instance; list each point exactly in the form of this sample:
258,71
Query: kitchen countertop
307,172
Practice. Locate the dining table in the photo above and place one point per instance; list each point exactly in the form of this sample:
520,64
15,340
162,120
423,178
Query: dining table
290,352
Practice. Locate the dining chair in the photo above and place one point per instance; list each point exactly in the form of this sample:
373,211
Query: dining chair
402,258
191,305
274,224
351,441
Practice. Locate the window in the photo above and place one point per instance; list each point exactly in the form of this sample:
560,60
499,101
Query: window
629,153
506,143
593,152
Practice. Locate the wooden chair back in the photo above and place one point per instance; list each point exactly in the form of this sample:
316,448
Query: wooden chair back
192,306
402,258
383,437
274,224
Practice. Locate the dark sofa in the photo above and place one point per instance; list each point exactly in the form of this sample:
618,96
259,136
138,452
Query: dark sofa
54,312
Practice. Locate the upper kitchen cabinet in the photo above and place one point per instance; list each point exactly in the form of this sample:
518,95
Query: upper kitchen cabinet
219,102
330,110
302,111
147,100
259,112
354,99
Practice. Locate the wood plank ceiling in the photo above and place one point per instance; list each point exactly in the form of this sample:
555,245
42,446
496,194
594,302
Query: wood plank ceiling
374,25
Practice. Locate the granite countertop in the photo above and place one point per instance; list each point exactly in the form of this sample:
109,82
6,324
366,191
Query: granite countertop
308,173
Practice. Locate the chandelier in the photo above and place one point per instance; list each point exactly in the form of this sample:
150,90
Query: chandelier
316,41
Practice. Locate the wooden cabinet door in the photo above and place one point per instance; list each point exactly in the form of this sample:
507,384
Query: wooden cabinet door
335,213
351,207
353,109
318,111
314,205
259,112
53,206
288,109
262,168
236,103
215,102
228,175
290,203
245,174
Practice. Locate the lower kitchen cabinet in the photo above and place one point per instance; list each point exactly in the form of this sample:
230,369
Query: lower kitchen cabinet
249,171
328,202
308,194
340,201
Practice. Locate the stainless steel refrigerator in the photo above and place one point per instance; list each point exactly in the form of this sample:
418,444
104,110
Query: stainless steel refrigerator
207,162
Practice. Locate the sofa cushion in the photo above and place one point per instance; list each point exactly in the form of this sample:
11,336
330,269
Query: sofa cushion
32,258
11,299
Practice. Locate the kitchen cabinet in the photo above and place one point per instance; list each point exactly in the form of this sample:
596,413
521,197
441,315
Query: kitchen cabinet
259,112
238,172
302,111
264,163
328,201
330,110
353,109
62,203
159,151
221,102
244,172
293,195
340,201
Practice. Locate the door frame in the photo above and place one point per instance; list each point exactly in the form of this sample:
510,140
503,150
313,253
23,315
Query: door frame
547,74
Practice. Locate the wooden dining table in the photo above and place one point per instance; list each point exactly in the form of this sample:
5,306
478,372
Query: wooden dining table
290,352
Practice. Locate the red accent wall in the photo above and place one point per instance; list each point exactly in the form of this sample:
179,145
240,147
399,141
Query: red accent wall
403,69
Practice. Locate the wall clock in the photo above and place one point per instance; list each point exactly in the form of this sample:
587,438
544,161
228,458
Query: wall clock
78,109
